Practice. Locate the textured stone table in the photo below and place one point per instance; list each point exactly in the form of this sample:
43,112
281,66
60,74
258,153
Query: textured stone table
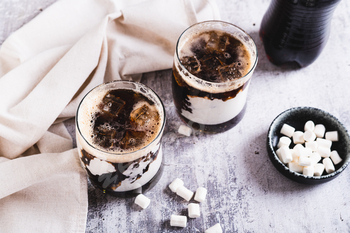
246,193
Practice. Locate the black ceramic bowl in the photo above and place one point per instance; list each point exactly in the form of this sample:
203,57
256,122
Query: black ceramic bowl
297,117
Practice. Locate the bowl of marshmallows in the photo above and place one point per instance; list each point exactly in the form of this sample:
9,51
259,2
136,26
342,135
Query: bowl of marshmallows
308,145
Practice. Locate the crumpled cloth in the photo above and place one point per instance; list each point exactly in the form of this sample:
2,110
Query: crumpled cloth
46,67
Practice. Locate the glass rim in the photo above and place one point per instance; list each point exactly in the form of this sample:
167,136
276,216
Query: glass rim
160,132
215,84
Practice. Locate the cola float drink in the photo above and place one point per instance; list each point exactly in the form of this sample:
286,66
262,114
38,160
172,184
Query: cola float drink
119,128
213,64
296,31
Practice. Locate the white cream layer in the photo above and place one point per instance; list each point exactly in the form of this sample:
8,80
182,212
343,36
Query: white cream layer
216,111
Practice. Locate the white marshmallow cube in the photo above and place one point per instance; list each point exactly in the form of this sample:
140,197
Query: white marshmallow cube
312,145
284,141
324,142
183,192
328,165
305,161
184,130
308,171
214,229
298,137
309,136
332,136
318,169
142,201
325,152
335,157
298,149
286,154
193,210
176,184
309,126
287,130
178,221
200,195
294,166
319,130
315,157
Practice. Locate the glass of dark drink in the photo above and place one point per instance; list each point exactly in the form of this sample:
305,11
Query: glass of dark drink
119,127
213,65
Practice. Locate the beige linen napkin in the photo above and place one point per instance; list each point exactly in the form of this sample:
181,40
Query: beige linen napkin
46,67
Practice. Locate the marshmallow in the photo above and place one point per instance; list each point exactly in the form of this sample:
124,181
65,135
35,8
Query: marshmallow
335,157
298,137
324,142
183,192
142,201
286,154
287,130
176,184
284,141
319,130
308,171
309,136
185,130
298,150
332,136
200,194
178,221
309,126
193,210
318,169
325,152
305,161
294,166
214,229
312,145
315,157
328,165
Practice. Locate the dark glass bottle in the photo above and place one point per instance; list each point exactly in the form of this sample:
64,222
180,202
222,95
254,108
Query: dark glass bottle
296,31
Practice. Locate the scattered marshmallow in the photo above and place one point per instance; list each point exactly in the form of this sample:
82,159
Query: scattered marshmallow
287,130
309,126
214,229
318,169
176,184
309,136
142,201
328,165
298,149
185,130
298,137
332,136
319,130
284,141
193,210
308,171
200,195
183,192
178,221
335,157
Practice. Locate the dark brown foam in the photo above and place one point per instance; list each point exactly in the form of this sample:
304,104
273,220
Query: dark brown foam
215,56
